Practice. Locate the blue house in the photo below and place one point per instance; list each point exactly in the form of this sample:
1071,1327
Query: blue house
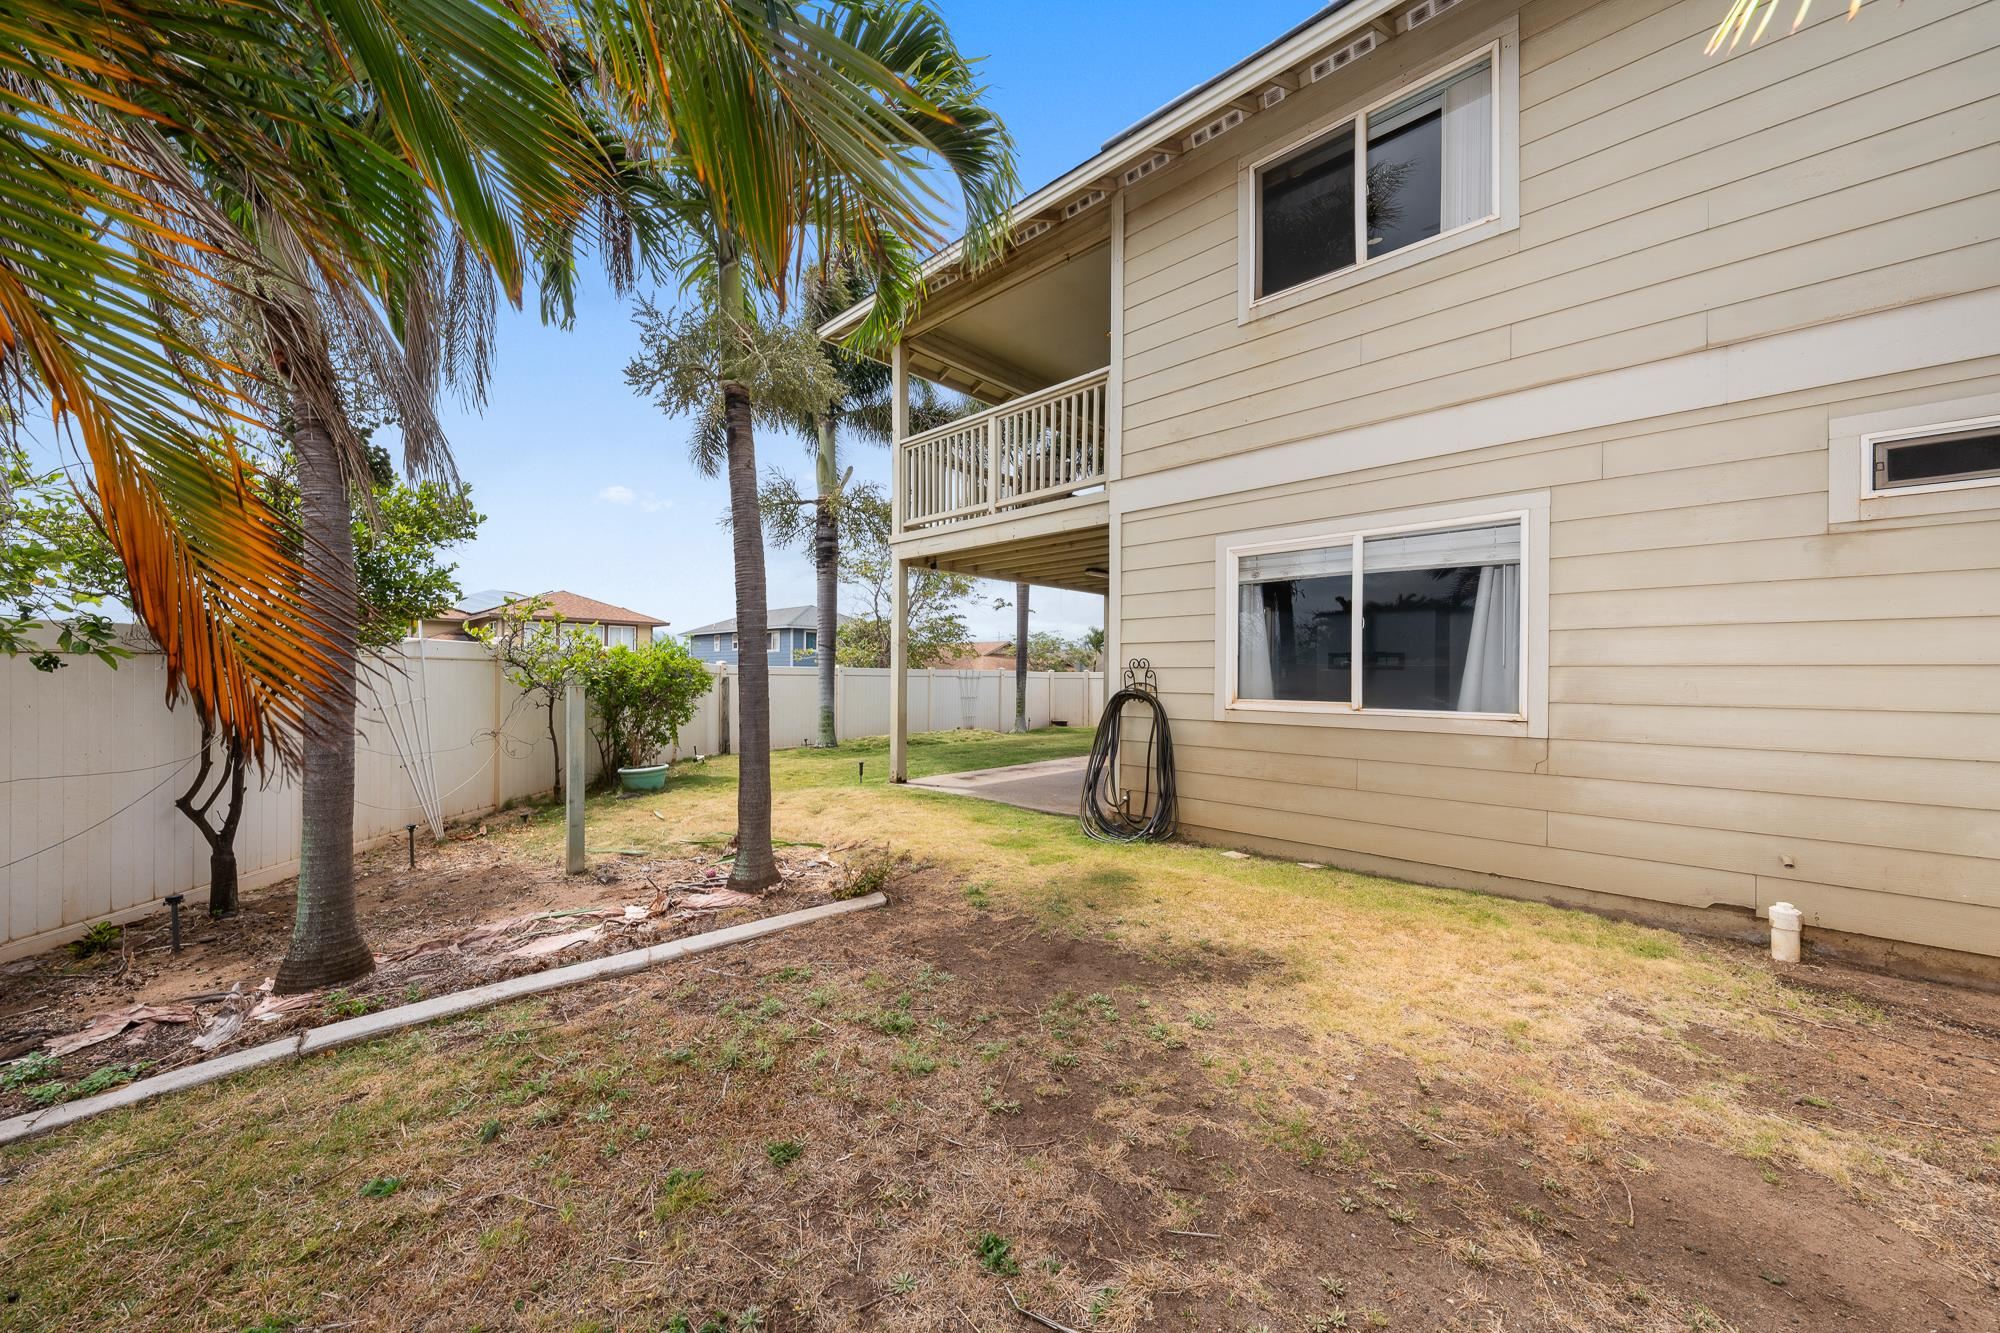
792,640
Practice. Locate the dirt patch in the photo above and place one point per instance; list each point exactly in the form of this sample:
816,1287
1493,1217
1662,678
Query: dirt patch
917,1121
476,909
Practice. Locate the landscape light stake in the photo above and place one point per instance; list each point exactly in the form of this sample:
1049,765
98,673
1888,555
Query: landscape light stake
174,901
411,829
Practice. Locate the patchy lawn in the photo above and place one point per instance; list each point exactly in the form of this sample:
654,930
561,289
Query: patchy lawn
1123,1087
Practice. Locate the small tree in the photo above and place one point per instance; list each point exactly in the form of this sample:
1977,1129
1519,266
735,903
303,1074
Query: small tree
542,657
643,696
56,568
1052,652
937,598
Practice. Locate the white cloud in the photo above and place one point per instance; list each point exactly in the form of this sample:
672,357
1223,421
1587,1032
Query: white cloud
646,501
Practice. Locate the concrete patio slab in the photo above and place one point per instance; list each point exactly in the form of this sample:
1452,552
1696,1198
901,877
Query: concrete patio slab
1053,786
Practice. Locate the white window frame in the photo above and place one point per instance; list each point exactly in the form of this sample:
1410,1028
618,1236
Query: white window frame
1530,510
1852,496
1502,46
1870,491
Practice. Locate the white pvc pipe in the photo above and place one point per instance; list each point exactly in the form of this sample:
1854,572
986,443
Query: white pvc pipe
1785,933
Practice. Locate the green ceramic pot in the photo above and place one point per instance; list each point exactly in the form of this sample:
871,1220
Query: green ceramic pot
643,779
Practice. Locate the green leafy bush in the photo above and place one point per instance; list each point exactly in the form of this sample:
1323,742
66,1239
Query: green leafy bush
643,697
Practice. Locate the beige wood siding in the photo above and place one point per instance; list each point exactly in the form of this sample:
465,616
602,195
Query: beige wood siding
1669,203
1744,705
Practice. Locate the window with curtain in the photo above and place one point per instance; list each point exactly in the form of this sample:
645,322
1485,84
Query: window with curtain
1439,630
1426,158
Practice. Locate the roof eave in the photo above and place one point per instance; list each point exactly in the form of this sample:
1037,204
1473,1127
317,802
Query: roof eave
1176,119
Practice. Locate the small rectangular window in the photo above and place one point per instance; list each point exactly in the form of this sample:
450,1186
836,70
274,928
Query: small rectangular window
1427,160
1940,459
1440,628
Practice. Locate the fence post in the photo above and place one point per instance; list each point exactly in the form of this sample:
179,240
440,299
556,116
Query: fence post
573,779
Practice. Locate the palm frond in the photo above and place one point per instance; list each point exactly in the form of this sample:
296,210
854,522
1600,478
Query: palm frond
1743,13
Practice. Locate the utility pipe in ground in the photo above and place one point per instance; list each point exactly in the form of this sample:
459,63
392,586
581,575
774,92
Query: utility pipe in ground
1785,933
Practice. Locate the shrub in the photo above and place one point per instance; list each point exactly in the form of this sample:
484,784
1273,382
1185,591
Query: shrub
643,697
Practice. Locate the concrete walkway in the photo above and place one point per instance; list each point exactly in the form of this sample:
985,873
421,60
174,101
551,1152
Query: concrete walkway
1054,786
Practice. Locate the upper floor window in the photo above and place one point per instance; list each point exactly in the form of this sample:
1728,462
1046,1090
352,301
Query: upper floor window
1427,158
1428,166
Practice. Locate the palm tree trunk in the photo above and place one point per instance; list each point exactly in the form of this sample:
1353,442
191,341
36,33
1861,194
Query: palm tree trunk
1020,657
756,866
826,564
327,947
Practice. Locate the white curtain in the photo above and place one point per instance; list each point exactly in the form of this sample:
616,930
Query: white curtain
1468,147
1492,680
1253,645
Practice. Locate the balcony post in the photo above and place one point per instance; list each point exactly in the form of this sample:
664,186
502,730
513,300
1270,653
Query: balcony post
899,673
993,464
899,430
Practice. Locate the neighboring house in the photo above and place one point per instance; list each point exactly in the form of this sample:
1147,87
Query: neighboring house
614,624
792,639
985,655
1645,407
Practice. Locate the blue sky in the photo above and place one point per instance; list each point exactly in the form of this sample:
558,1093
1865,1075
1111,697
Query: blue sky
587,487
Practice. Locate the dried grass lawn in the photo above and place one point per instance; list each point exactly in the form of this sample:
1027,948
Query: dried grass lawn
1124,1087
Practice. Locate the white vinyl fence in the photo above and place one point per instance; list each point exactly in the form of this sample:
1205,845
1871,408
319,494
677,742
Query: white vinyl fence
91,761
939,701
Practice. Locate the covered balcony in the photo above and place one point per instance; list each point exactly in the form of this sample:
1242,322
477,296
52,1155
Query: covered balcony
1013,489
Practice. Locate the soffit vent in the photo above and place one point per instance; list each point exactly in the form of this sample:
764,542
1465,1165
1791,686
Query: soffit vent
1086,200
1272,95
1032,230
1347,55
1218,127
1424,11
943,279
1134,174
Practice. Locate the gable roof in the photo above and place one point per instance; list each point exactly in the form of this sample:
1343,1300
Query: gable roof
1162,130
778,617
572,607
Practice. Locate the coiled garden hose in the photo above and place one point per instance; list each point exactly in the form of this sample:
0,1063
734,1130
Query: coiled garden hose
1146,812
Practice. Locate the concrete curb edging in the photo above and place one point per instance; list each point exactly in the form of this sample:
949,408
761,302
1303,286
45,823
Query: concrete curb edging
348,1031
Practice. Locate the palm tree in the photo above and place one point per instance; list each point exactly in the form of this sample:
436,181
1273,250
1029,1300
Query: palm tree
118,125
814,164
314,180
861,407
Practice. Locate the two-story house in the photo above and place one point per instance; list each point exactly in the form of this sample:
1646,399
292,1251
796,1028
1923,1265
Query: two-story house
1534,454
792,638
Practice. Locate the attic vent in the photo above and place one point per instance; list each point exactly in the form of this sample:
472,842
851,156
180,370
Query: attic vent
1221,125
1032,230
1089,199
1133,175
943,279
1347,55
1424,11
1271,96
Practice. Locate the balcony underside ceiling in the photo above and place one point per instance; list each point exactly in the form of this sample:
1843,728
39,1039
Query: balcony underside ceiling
1074,555
1051,324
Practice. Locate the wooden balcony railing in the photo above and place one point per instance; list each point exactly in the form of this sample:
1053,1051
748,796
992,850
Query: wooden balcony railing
1042,446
